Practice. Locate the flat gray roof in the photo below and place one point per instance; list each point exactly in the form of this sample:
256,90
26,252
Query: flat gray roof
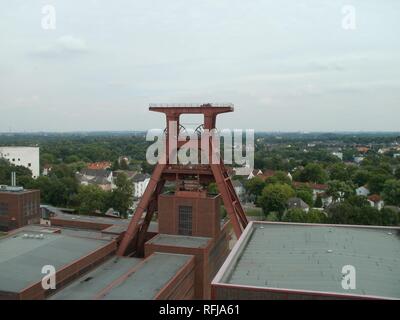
180,241
76,232
92,283
95,219
150,277
311,258
22,259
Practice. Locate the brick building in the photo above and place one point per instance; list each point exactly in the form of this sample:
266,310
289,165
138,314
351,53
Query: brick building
18,207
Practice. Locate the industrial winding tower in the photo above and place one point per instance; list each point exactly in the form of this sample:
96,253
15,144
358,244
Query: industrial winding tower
188,211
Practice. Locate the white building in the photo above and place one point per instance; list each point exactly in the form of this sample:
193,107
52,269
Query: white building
27,157
358,160
140,182
376,201
338,154
362,191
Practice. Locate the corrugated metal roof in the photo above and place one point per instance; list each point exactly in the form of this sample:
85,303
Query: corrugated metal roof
311,257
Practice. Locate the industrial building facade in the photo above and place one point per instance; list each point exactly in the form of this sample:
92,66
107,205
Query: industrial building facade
18,207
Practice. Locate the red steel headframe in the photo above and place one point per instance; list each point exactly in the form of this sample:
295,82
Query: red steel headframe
134,238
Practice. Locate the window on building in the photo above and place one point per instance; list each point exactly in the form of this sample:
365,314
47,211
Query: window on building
185,220
29,164
3,209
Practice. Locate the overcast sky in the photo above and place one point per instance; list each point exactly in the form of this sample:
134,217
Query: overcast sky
286,65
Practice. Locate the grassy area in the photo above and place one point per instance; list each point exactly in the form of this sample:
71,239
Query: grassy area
2,234
254,212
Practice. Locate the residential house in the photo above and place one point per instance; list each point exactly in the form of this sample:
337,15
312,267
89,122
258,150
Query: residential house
362,149
326,200
46,170
100,177
358,160
140,182
362,191
297,203
316,188
338,154
129,174
376,201
103,165
254,173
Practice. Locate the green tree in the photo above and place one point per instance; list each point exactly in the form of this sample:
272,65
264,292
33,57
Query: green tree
91,199
339,190
313,172
318,202
24,175
274,197
345,213
390,217
272,217
72,158
391,192
338,171
279,177
212,188
315,216
254,186
122,196
306,196
295,215
397,173
377,182
361,177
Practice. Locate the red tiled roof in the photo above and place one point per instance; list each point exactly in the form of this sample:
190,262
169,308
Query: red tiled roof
314,186
363,149
374,198
99,165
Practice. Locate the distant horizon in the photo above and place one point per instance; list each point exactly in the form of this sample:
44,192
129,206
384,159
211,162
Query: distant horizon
256,131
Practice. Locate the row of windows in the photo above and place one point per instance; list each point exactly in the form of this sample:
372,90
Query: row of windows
18,160
3,209
29,208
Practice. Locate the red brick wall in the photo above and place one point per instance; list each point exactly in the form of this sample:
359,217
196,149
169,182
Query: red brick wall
17,217
205,214
181,287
